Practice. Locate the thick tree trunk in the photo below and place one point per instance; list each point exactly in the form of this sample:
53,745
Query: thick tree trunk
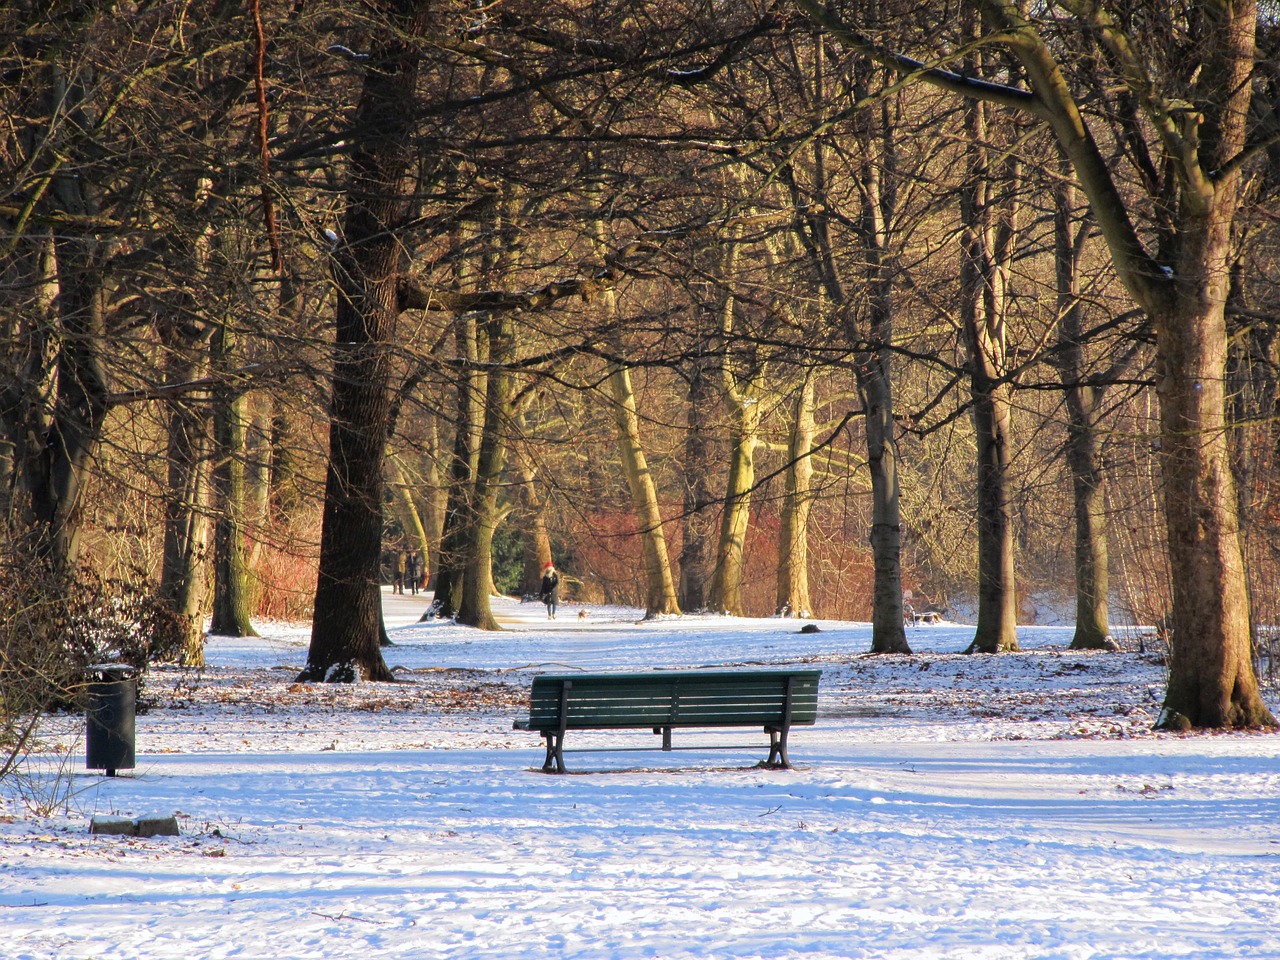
697,549
735,519
80,405
792,598
875,384
987,250
477,582
347,629
1211,676
888,633
463,465
1083,455
185,551
660,587
28,329
231,614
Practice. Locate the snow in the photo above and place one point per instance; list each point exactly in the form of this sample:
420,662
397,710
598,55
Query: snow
988,808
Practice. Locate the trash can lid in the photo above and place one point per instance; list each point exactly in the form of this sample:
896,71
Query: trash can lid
111,671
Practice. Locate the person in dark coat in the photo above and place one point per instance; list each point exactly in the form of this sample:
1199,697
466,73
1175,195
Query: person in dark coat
550,592
397,576
411,573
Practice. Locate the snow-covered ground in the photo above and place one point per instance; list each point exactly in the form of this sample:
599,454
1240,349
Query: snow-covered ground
943,806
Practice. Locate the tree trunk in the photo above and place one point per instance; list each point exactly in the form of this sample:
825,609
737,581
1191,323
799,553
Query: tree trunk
80,405
463,465
28,329
875,385
697,549
792,598
185,554
407,511
477,582
1083,456
231,614
660,588
346,633
437,499
741,396
987,249
1211,677
726,583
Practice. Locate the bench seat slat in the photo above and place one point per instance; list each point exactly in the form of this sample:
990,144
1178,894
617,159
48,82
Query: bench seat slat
664,700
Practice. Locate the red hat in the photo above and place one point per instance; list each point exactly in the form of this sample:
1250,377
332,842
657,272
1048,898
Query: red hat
549,565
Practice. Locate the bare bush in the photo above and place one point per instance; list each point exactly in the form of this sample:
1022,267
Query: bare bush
53,627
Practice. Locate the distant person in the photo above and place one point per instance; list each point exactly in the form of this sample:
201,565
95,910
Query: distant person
397,575
411,573
550,592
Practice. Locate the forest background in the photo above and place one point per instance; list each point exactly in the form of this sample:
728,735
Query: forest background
726,307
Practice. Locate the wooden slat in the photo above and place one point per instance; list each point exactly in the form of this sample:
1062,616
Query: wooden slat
675,699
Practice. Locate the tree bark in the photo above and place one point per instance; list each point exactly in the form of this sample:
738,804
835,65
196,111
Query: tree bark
987,248
80,404
185,554
463,465
1082,398
875,385
231,614
477,582
792,598
660,587
735,519
697,549
346,633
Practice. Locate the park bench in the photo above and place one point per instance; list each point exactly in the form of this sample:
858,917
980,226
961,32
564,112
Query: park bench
774,700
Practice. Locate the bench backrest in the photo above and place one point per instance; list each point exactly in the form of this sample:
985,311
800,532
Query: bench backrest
685,698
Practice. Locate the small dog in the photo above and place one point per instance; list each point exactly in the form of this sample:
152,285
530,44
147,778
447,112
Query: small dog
582,614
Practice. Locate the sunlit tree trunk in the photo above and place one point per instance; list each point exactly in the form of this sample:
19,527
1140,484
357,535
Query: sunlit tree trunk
477,583
742,397
463,465
792,597
406,509
987,234
231,614
875,385
660,588
1084,456
80,390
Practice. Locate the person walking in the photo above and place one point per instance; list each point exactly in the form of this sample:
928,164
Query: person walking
550,592
397,575
411,574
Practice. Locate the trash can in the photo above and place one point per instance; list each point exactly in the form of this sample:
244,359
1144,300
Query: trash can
112,693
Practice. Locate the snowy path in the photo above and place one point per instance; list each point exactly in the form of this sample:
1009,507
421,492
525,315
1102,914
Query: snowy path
929,817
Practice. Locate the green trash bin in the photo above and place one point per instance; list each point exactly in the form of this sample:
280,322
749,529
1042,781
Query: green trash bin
111,700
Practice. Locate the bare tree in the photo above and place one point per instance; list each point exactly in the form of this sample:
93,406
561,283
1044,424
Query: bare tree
1179,82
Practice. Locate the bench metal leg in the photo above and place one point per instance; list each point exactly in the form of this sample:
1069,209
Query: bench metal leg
554,762
778,749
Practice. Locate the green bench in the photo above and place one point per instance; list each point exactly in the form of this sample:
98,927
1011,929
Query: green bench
661,701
